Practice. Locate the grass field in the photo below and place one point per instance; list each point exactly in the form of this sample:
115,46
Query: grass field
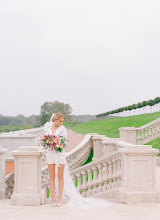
109,127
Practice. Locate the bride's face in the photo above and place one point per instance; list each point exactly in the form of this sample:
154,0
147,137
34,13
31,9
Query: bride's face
59,122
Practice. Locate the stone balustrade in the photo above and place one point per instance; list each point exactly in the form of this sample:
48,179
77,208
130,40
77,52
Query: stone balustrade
121,167
99,176
141,135
130,169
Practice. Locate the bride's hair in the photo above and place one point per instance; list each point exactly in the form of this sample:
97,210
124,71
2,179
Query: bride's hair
57,115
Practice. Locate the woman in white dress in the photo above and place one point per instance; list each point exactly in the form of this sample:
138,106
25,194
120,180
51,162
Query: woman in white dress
58,166
55,157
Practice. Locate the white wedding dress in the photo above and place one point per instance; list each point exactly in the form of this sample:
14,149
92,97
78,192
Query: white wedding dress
71,196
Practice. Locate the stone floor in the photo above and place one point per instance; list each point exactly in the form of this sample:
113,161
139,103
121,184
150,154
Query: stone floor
145,211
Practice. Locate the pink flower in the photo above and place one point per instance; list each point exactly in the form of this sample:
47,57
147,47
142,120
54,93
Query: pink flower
61,146
42,138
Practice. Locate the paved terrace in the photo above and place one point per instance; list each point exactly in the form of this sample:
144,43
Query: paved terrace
118,211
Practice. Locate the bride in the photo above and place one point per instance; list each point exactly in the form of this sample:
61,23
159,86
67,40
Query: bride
61,181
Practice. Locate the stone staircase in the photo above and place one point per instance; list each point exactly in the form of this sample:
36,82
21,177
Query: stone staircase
121,170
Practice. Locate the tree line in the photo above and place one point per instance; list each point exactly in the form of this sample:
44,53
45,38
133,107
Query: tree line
46,110
139,105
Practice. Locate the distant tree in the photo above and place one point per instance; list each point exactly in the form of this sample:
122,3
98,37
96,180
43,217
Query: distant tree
156,100
48,108
151,103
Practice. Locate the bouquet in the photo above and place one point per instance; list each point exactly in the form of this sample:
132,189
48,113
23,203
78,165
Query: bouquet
57,142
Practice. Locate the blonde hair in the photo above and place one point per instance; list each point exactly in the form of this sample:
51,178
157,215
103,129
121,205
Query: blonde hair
57,115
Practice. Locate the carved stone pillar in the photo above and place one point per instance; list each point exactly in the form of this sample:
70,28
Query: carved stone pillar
28,177
138,174
97,147
128,134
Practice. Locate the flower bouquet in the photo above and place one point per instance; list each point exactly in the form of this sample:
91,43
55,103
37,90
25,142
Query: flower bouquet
57,142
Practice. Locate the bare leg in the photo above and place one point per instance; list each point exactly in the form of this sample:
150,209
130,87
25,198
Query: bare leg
60,182
51,168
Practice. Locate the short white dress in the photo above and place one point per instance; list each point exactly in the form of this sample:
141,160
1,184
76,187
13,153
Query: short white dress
54,156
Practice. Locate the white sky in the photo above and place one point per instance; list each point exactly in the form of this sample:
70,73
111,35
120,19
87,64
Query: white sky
96,55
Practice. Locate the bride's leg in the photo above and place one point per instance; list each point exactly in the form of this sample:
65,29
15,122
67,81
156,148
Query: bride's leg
51,168
60,182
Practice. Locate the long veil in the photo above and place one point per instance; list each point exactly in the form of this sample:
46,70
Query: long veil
71,195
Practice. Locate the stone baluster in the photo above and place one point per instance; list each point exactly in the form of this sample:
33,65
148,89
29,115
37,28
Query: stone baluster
142,136
100,178
138,137
150,132
95,180
84,184
118,170
105,176
110,175
146,133
154,130
114,172
79,182
74,179
3,186
89,183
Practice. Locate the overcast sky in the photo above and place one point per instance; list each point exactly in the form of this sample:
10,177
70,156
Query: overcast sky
96,55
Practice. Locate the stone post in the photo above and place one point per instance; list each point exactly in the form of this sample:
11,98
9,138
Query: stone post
128,134
138,174
109,145
97,147
28,177
3,185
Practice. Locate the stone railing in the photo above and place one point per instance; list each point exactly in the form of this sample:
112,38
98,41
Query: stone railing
99,176
130,171
141,135
125,171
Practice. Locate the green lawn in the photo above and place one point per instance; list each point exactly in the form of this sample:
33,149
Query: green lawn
155,144
7,128
109,127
